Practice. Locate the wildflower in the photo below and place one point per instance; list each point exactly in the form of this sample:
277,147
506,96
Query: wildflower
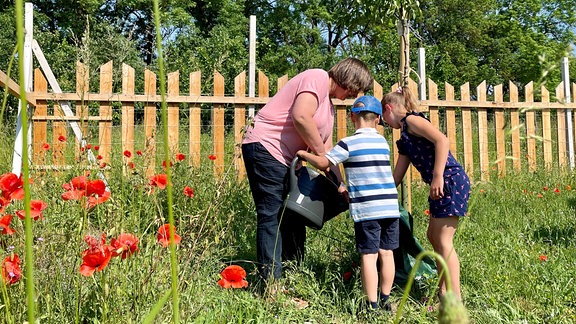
36,208
539,195
189,192
94,200
46,146
482,190
543,258
545,188
130,165
96,256
88,146
568,188
180,157
3,203
96,147
99,157
62,138
347,276
427,212
212,157
233,276
80,186
159,181
11,269
163,235
556,190
127,154
125,245
164,164
139,153
5,225
102,165
12,186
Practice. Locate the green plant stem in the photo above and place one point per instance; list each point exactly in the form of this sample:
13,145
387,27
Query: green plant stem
408,287
5,99
6,299
29,257
173,260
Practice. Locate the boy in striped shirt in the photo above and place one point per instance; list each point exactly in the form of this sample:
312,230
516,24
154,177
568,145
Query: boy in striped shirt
372,195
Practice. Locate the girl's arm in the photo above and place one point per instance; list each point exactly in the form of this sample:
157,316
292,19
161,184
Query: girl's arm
423,128
400,168
303,111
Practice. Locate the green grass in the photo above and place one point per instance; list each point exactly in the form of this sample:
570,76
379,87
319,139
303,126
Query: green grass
500,244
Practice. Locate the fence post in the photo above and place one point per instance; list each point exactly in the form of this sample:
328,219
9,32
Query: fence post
150,123
239,124
173,113
569,120
500,133
195,126
127,114
515,128
530,127
218,124
547,132
483,134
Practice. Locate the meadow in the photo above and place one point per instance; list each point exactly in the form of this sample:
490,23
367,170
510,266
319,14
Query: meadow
517,251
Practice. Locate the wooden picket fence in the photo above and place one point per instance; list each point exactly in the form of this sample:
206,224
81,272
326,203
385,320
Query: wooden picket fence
488,137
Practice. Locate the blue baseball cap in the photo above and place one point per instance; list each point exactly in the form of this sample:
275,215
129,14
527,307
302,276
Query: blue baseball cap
370,103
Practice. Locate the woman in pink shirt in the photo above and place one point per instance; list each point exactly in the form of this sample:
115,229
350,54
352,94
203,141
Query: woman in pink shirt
299,117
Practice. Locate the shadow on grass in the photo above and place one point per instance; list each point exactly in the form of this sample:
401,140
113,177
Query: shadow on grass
555,235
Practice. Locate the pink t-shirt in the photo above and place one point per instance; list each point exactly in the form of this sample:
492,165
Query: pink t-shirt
273,125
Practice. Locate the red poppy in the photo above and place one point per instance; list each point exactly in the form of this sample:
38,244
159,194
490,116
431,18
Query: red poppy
3,203
180,157
130,165
347,276
103,165
127,154
62,138
88,146
96,147
212,157
164,164
11,269
5,225
12,186
233,276
543,258
189,192
99,157
163,235
96,256
159,181
97,199
556,190
46,146
125,245
36,208
139,153
545,188
427,212
568,187
540,195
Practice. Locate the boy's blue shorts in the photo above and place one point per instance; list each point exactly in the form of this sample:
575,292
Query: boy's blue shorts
373,235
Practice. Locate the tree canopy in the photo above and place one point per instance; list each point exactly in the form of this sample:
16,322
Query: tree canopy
465,41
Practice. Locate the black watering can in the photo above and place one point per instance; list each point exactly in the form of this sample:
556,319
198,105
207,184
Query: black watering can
313,196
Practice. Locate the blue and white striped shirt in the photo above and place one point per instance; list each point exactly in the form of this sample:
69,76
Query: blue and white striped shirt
366,158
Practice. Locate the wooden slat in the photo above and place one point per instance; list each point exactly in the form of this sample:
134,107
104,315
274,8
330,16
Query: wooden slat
70,118
239,125
500,132
450,120
173,113
483,134
218,126
263,86
127,115
58,130
82,88
546,131
195,121
39,127
561,127
105,134
467,138
515,128
149,124
530,128
284,79
433,110
14,88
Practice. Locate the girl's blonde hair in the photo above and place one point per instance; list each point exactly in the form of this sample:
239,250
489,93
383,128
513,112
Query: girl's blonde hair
403,97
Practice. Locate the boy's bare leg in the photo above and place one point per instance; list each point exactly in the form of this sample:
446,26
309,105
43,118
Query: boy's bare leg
369,275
